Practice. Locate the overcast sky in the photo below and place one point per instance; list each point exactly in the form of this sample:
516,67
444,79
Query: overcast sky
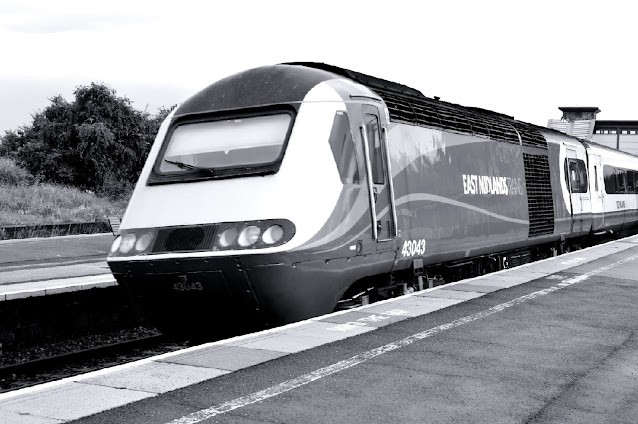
523,61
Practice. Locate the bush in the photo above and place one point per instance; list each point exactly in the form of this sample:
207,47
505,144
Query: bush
12,174
97,142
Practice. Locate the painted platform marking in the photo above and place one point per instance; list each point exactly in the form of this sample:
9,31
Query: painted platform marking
574,261
362,322
286,386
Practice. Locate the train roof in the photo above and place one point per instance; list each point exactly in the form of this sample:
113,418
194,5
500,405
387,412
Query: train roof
607,148
406,104
289,82
266,85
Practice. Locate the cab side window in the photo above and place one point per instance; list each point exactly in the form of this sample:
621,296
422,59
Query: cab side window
343,149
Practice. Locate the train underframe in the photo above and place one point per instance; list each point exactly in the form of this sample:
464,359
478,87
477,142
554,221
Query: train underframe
420,277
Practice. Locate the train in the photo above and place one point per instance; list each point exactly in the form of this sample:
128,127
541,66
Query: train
287,191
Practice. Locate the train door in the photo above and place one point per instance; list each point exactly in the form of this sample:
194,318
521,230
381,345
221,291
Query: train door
597,188
382,207
585,193
576,177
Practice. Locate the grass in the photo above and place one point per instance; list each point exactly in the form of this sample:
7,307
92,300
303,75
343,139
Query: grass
26,202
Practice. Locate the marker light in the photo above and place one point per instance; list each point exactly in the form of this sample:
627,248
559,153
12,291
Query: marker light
273,234
128,241
116,244
248,236
227,237
143,242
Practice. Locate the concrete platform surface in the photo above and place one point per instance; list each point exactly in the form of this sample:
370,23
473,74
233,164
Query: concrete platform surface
46,266
552,341
45,249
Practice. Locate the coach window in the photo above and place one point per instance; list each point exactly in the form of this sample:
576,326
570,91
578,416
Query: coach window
621,176
343,150
609,175
376,158
630,181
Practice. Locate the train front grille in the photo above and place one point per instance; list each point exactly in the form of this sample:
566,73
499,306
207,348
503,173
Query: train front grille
185,239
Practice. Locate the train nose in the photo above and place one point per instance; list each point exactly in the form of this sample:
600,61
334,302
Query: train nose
189,296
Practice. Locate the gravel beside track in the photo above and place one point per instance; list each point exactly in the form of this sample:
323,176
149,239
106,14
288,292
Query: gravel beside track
48,362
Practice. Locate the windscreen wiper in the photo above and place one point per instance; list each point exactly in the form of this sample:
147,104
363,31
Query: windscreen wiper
191,167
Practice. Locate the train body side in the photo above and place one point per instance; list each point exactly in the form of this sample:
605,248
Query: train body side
462,195
467,196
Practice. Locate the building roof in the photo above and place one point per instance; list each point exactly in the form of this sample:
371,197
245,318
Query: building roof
614,124
579,109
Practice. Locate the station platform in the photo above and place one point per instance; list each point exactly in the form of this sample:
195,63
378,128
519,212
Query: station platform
54,265
552,341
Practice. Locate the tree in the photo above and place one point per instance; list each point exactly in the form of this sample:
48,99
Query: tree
97,142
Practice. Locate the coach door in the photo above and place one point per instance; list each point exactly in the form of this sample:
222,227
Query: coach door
379,177
576,174
597,194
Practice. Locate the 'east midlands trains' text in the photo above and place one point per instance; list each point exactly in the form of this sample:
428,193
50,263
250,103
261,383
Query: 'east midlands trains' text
485,184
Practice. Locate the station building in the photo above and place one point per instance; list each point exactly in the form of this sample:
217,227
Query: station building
581,122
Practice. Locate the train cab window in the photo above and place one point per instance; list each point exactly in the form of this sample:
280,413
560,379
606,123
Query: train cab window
578,176
376,158
595,178
343,150
609,175
227,147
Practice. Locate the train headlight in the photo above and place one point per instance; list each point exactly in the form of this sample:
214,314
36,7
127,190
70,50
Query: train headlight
227,237
116,244
144,242
128,241
273,234
248,236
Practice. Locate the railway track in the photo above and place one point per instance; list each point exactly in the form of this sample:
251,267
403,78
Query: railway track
38,370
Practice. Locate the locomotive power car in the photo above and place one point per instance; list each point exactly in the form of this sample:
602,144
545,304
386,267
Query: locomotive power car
283,192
